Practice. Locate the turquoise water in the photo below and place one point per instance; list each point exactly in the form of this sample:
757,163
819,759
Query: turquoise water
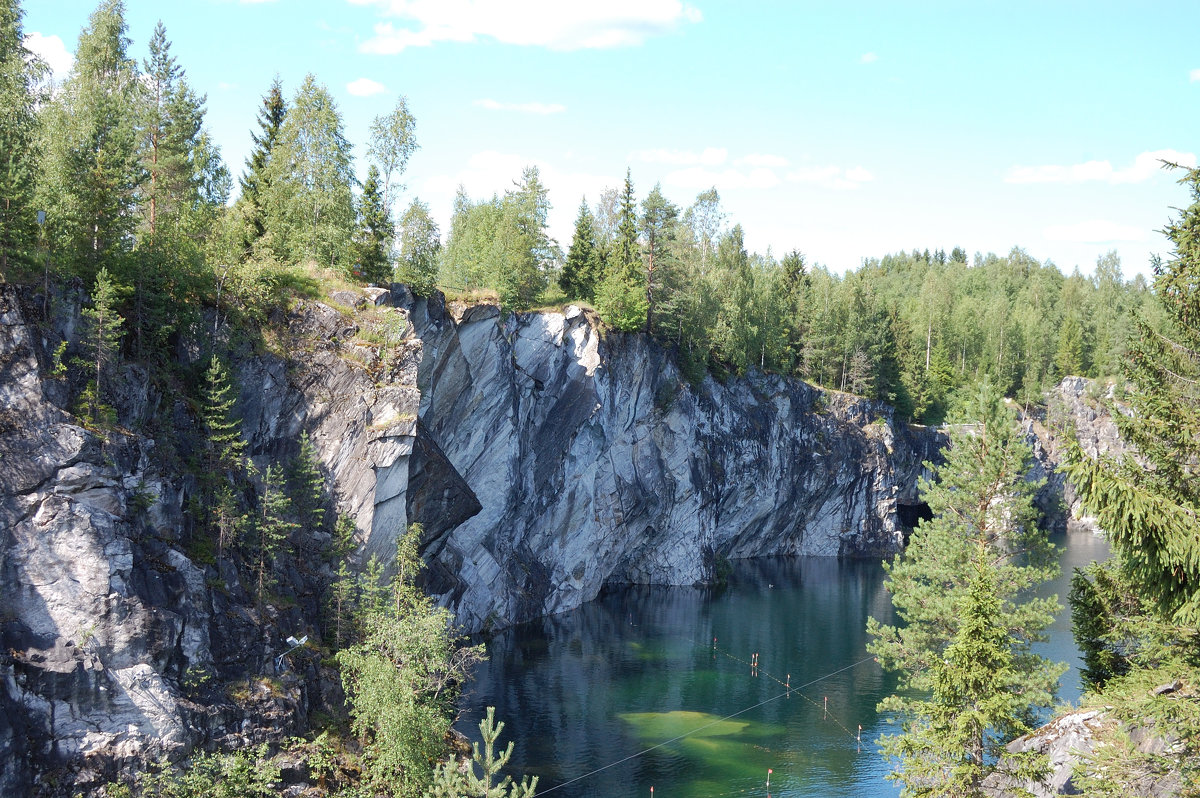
595,698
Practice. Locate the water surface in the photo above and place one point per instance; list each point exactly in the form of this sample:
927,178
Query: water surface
618,680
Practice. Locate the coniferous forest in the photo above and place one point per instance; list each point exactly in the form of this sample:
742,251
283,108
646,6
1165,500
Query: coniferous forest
111,182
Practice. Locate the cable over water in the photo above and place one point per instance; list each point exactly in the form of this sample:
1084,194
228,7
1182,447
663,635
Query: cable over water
787,691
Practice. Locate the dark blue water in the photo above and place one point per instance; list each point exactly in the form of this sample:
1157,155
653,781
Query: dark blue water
618,679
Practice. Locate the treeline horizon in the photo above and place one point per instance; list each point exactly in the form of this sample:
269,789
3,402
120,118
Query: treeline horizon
119,158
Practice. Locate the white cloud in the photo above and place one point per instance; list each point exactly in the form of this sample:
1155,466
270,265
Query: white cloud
830,176
699,178
1144,166
365,87
1094,231
709,156
762,159
554,24
51,50
868,58
1194,76
525,108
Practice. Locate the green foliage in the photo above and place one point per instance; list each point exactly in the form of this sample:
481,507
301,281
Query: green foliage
392,142
1149,506
308,202
255,179
307,486
584,265
403,676
20,73
243,774
449,782
502,243
372,244
960,590
420,249
223,429
91,168
952,740
273,526
102,340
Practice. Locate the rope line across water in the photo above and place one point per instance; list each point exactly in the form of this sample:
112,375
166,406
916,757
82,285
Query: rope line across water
679,737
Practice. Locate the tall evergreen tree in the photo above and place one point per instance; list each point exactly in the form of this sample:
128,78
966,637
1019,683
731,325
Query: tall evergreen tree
102,338
983,537
658,231
1149,507
273,526
19,75
309,200
621,295
254,180
373,239
583,266
92,172
524,251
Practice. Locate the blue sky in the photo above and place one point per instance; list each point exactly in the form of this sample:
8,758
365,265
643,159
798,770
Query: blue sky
844,130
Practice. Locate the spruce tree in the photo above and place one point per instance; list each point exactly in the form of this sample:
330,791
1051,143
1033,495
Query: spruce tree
308,486
658,230
223,428
983,536
450,782
255,180
273,525
583,266
373,238
93,175
19,74
621,296
102,338
1149,506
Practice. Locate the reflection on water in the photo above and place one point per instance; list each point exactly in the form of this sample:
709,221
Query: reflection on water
638,669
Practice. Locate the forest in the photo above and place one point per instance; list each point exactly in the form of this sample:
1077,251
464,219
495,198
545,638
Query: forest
116,161
110,180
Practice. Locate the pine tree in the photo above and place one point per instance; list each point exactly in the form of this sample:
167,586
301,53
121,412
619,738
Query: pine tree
102,339
19,75
273,527
523,252
583,266
255,180
307,486
983,534
92,175
420,249
449,782
373,239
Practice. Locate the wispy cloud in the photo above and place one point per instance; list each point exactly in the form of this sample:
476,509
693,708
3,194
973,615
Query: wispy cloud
538,23
1094,231
709,156
763,159
698,178
524,108
1194,76
365,87
868,58
52,51
834,177
1144,166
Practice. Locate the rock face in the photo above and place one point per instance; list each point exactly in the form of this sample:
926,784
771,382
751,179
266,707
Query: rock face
1073,407
543,462
593,463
